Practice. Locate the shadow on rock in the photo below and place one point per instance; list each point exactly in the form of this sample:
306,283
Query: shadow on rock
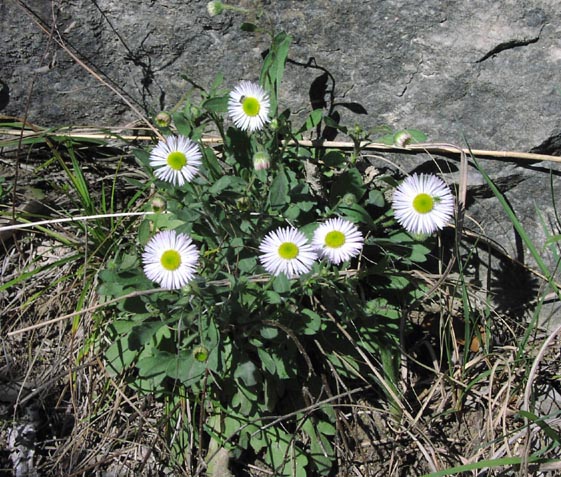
514,289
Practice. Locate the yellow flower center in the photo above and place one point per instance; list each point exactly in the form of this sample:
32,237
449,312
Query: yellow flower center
177,160
335,239
171,260
288,250
251,106
423,203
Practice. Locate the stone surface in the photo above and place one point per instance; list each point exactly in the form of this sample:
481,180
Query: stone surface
485,73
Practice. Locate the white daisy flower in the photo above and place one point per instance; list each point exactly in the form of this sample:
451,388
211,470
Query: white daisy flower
176,160
170,259
338,240
286,250
249,106
423,204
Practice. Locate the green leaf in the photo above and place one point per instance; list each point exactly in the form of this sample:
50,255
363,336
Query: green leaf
281,284
356,213
143,333
313,322
212,164
119,357
267,361
247,265
334,159
228,183
154,367
182,124
278,194
273,67
376,198
283,454
419,253
312,121
546,428
273,297
247,372
218,104
185,368
269,332
350,182
321,451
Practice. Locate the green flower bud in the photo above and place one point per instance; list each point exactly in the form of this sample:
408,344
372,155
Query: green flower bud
274,124
215,8
163,119
195,111
243,204
402,138
261,160
158,205
349,199
200,353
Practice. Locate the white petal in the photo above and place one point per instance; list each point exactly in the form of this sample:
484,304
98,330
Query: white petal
423,223
165,241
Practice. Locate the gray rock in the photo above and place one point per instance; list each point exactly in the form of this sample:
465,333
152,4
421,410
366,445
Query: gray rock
478,72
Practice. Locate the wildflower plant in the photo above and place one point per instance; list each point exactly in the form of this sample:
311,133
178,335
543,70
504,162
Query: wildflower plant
255,294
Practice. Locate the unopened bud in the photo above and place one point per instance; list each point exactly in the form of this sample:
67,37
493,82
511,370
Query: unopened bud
274,124
200,353
195,111
163,119
261,161
402,138
349,199
158,205
215,8
243,204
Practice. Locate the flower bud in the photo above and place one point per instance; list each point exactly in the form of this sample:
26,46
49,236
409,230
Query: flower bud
261,160
158,205
402,138
274,124
200,353
163,119
243,204
195,111
215,8
349,199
